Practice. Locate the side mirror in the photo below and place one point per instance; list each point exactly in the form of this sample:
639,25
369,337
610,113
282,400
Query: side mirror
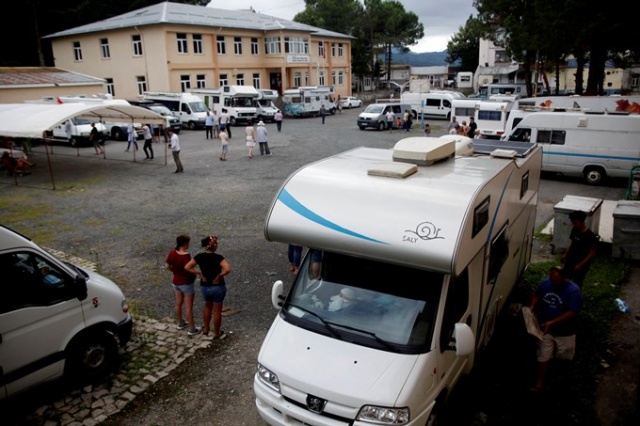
80,287
464,339
277,294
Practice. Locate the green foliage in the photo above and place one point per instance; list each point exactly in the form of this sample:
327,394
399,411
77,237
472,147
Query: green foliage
465,45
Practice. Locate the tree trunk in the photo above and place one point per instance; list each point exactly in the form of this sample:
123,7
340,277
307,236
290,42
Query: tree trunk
595,80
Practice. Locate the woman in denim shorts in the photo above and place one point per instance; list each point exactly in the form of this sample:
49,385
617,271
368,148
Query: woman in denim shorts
213,268
183,280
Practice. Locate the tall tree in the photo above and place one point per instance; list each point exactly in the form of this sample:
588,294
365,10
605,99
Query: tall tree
464,46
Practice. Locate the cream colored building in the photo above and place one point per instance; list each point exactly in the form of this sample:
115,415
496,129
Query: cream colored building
176,47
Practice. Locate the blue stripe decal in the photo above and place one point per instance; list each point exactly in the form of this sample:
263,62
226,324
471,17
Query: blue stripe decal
604,157
288,200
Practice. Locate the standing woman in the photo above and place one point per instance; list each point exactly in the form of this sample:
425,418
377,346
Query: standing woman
183,282
251,137
213,268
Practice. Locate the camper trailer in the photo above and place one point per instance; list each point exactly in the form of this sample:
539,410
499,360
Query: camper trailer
589,145
490,116
401,285
237,100
630,104
306,101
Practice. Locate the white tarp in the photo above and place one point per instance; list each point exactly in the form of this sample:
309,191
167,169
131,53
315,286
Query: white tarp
32,120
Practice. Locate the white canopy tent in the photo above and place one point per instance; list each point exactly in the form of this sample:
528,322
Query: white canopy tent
36,121
33,120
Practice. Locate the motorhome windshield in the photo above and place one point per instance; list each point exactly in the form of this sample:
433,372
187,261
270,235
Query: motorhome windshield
365,302
265,103
241,102
198,106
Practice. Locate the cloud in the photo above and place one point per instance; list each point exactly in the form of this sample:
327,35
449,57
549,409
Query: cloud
440,19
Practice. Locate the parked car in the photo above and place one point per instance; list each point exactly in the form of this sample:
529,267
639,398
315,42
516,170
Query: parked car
171,120
350,102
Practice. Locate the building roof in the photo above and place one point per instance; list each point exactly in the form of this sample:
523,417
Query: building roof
17,77
185,14
433,70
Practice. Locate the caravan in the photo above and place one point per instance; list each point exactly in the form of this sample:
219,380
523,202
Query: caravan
237,100
592,146
186,106
306,101
490,116
401,286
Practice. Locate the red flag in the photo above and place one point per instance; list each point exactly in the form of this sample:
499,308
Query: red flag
59,101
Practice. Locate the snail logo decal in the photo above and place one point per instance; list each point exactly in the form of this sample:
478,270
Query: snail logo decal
424,231
95,302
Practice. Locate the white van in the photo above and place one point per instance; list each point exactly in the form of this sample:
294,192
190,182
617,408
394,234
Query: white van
55,318
80,131
401,285
434,104
590,145
265,109
189,108
375,115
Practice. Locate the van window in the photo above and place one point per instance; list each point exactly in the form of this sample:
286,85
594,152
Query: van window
523,134
433,102
446,103
456,306
553,137
366,302
31,280
397,109
185,108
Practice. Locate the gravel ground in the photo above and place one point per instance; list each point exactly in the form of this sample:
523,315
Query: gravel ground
125,215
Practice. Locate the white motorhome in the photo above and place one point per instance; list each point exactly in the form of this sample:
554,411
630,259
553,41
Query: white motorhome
265,109
237,100
55,318
434,104
306,101
402,284
612,103
188,107
490,116
590,145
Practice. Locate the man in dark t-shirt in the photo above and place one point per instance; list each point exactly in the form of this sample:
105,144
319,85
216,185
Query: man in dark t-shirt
577,259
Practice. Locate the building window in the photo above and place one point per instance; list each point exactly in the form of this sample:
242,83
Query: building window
255,47
272,45
333,78
104,48
340,49
197,44
297,79
110,87
321,48
340,78
635,80
201,81
182,43
142,84
367,82
240,79
77,51
224,80
136,40
333,49
306,78
501,56
222,50
296,45
185,83
321,81
237,45
256,80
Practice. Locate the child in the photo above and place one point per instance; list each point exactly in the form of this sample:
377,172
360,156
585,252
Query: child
224,141
427,129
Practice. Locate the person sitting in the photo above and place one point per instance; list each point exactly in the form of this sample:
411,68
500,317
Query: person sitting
342,300
14,165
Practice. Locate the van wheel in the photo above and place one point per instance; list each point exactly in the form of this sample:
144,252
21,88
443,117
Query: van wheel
594,175
93,356
260,118
191,125
362,127
117,134
232,121
381,125
73,142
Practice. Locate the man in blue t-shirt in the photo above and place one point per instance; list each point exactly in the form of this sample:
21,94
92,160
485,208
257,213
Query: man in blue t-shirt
557,302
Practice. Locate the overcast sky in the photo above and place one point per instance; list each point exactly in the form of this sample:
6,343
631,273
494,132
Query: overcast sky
441,19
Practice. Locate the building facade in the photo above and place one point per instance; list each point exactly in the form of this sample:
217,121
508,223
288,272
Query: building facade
175,47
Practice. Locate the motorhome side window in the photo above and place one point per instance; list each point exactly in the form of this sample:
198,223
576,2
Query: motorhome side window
365,302
490,115
464,112
433,102
481,216
553,137
30,280
524,184
521,135
456,306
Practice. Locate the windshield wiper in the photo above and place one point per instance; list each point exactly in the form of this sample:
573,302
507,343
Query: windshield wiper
326,323
368,333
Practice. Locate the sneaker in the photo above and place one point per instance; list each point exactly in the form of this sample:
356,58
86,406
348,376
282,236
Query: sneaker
220,336
194,331
182,325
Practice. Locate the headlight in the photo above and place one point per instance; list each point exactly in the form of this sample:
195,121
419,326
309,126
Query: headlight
383,415
268,378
